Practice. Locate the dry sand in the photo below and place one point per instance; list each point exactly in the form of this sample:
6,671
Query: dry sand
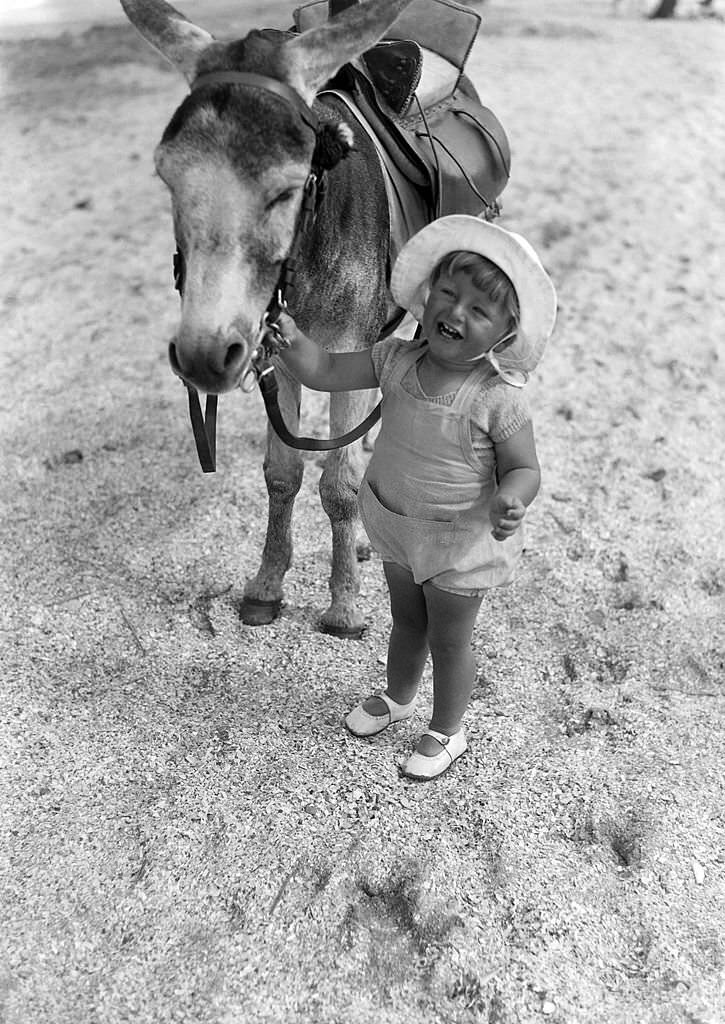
188,834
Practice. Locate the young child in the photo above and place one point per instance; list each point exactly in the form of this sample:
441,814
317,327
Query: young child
454,466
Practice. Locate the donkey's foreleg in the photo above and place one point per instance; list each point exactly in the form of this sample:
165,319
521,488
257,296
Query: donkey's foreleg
339,485
283,468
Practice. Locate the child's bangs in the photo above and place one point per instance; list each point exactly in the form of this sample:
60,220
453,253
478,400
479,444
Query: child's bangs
485,275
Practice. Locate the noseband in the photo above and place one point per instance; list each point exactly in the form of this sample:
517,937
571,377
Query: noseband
271,338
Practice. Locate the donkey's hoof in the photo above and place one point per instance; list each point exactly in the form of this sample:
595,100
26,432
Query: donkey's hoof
258,611
343,631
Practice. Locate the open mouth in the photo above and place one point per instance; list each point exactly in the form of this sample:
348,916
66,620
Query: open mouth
448,332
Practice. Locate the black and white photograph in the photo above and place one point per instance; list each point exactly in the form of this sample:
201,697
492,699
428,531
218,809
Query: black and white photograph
362,582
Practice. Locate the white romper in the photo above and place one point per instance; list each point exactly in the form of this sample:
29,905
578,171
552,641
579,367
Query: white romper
425,497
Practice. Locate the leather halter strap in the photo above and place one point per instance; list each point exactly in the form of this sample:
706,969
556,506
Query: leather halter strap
273,85
268,386
204,426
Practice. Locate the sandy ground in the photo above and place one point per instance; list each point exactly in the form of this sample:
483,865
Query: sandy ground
188,834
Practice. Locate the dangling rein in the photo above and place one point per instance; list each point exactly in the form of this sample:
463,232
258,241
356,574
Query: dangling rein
271,337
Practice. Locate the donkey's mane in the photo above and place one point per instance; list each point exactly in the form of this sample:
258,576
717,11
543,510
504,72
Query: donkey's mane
257,51
261,51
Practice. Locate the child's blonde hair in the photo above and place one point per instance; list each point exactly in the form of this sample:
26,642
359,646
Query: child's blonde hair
485,275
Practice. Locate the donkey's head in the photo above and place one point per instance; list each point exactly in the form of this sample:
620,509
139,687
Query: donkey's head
235,158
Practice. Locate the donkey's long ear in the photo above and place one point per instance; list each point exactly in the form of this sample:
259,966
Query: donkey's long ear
317,54
174,36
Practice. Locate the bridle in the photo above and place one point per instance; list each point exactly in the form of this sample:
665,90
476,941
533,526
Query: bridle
270,338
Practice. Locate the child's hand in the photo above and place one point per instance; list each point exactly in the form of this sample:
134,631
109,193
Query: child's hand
506,514
287,328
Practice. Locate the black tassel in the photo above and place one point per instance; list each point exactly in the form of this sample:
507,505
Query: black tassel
334,142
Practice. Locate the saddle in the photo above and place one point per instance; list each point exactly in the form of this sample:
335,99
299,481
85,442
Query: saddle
444,150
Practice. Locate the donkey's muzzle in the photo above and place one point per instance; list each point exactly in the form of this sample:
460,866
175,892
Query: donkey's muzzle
212,368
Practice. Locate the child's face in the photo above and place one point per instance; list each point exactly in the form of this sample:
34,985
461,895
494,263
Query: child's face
461,322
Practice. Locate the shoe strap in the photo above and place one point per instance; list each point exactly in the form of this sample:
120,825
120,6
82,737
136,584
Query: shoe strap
442,737
392,705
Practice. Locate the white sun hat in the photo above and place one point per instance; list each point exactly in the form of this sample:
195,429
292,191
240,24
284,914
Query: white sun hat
410,280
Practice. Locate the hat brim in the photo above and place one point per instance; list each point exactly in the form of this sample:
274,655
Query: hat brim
513,254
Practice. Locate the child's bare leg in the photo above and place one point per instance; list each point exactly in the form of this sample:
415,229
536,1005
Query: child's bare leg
451,618
408,644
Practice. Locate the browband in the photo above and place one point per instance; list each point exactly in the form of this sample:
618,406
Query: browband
281,89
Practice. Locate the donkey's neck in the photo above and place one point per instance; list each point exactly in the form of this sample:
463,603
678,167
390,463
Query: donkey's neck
342,287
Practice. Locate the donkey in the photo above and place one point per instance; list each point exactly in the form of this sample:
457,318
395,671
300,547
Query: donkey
235,158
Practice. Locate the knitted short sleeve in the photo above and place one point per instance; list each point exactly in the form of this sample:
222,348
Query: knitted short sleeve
386,353
498,412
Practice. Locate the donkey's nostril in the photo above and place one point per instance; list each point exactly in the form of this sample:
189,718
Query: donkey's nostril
234,356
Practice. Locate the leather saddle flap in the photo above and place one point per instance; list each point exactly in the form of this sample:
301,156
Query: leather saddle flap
468,154
456,150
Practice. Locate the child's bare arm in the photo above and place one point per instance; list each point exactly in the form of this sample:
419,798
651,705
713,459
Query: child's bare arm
321,370
518,481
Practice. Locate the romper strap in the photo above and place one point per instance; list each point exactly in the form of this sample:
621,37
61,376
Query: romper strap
471,386
404,363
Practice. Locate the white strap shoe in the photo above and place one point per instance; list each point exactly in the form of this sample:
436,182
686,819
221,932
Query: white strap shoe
360,723
423,767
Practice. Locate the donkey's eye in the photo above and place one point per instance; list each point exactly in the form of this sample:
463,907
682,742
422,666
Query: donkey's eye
281,198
